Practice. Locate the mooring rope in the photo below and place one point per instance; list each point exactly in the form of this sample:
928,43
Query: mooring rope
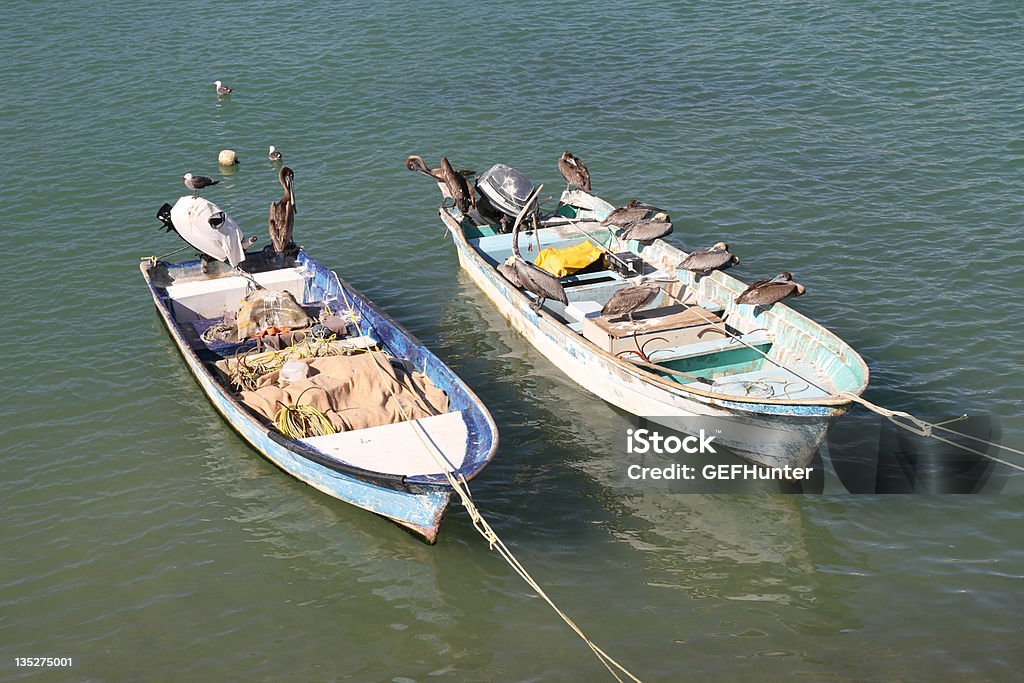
461,487
154,259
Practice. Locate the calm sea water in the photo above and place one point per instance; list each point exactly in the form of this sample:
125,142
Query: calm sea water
872,148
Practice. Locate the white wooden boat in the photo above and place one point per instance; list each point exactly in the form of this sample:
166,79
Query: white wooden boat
766,381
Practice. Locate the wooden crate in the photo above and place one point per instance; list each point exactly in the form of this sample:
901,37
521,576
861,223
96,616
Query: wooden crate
654,328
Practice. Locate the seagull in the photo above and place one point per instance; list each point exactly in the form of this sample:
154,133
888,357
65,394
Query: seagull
222,89
274,154
705,261
768,292
197,182
628,300
574,171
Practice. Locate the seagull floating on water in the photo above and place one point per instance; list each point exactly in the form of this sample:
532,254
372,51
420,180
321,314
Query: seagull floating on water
222,89
274,154
197,182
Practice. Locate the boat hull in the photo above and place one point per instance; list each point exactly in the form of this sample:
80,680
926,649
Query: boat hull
767,434
417,506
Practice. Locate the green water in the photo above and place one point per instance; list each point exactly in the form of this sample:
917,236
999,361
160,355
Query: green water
874,149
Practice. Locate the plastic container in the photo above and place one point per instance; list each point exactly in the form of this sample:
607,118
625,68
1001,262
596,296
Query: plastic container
294,371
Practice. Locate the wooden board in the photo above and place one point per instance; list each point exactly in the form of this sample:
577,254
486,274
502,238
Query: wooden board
397,448
654,328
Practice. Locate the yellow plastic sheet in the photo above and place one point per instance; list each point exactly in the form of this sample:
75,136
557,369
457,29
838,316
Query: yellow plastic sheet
562,262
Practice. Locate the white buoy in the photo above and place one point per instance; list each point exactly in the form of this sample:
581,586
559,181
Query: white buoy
227,157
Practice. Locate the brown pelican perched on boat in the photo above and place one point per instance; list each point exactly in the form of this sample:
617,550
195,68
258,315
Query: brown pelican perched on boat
627,215
523,274
574,171
416,163
648,230
222,89
768,292
281,217
704,261
507,269
197,182
629,300
458,187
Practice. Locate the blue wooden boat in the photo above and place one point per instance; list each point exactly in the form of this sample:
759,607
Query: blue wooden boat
394,470
768,382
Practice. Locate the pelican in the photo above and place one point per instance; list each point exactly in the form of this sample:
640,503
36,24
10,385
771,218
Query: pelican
416,163
625,216
507,269
706,260
281,217
197,182
458,186
222,89
522,273
274,154
656,227
574,171
768,292
628,300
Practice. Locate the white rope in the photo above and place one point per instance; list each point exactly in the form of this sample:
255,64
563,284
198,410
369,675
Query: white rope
495,543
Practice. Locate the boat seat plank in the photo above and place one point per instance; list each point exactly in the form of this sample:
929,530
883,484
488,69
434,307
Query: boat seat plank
705,348
397,448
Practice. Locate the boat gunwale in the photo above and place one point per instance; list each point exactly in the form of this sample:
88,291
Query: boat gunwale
731,402
403,483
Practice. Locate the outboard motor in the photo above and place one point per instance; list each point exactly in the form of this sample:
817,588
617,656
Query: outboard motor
503,191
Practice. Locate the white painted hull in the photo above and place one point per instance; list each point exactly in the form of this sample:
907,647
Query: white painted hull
772,435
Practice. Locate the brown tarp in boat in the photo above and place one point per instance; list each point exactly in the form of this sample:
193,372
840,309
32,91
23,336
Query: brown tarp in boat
352,393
